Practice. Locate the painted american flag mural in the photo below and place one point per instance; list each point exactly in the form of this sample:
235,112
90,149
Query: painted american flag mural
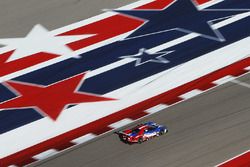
60,88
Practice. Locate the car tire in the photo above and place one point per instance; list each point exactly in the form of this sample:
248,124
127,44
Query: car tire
140,140
163,132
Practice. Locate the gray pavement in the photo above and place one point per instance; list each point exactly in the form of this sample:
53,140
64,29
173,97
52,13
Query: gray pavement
203,131
17,17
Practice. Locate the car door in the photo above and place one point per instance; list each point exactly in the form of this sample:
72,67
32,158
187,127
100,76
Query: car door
150,132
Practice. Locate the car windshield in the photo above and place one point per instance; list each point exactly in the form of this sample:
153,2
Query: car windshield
151,128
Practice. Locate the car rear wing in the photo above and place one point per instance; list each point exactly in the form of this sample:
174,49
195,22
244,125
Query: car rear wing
121,133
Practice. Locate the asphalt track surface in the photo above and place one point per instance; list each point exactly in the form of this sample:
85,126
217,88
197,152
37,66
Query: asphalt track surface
203,131
17,17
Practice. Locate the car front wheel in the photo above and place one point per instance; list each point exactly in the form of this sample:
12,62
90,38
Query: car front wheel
163,131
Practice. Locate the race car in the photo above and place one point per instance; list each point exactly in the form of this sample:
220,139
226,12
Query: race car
142,132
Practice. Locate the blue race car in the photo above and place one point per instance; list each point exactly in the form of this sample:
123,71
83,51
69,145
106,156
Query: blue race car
142,132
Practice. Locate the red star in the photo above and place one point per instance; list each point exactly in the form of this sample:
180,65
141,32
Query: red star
49,100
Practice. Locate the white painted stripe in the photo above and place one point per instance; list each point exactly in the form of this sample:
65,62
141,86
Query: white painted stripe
209,3
191,94
109,67
156,108
121,123
241,83
133,88
80,115
231,20
12,166
45,154
173,42
224,80
84,138
247,68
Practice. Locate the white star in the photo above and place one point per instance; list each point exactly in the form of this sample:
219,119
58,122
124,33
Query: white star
145,56
38,40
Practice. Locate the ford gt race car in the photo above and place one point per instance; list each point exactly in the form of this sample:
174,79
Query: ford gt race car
142,132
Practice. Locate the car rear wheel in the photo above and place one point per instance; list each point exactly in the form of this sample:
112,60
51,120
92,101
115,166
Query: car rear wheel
140,140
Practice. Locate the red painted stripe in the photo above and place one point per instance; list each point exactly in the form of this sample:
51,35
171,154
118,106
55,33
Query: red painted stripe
126,113
240,161
16,65
104,29
101,130
240,72
161,4
206,86
202,1
137,115
172,101
158,4
24,162
64,146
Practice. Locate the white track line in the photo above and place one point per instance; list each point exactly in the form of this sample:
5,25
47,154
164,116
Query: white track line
247,68
241,83
209,3
191,94
84,138
224,80
121,123
45,154
156,108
